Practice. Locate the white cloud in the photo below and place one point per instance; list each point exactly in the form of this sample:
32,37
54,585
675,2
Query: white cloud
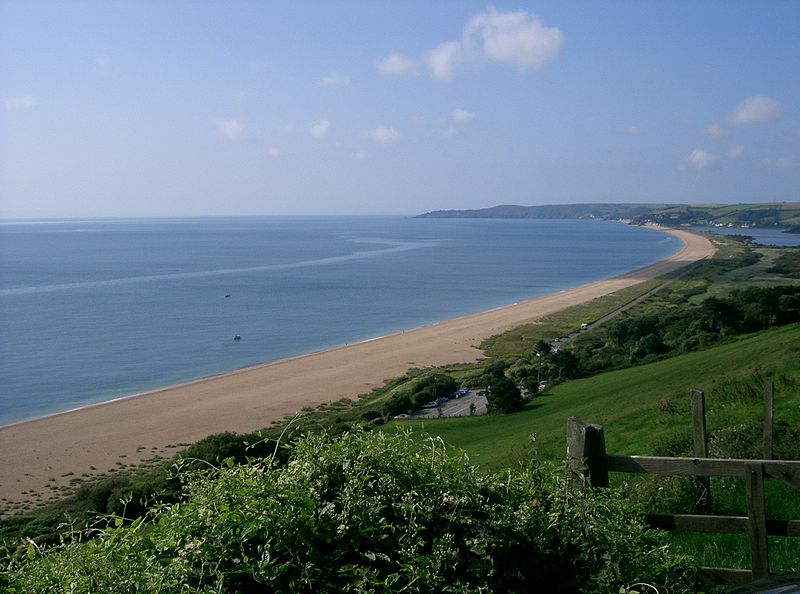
516,37
736,152
461,116
756,110
632,131
383,134
23,102
699,159
450,132
320,128
714,131
443,60
396,64
334,79
791,162
275,152
232,128
492,36
359,156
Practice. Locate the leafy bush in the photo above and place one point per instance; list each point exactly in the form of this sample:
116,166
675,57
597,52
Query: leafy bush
633,339
365,513
504,396
422,391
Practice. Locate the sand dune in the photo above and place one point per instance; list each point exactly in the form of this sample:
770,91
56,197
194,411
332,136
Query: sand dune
132,429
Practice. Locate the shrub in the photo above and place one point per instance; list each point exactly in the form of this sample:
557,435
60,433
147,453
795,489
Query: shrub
422,391
365,513
504,396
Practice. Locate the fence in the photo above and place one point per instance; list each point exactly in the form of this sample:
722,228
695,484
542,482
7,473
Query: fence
588,459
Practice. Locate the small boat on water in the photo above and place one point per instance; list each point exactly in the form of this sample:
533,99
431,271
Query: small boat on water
237,337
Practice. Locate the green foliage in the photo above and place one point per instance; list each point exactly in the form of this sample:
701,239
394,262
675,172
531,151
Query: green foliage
788,262
503,396
636,338
422,391
365,513
129,493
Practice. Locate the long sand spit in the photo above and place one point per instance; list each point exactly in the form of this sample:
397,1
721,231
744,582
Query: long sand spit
36,455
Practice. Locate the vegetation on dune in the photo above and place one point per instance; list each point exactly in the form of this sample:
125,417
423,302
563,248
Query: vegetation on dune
366,513
788,263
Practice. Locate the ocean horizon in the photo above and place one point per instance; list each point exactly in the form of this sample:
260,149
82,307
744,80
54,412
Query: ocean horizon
95,310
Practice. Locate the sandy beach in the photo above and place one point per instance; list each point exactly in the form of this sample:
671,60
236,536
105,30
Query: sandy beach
35,455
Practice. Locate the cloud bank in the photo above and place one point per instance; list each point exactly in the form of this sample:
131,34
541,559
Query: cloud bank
756,110
334,79
383,135
232,128
698,159
24,102
513,37
396,64
320,128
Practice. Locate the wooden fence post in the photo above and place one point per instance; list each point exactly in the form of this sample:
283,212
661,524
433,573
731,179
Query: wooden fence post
757,524
700,438
586,452
769,412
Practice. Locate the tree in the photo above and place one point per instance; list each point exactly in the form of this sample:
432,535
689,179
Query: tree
496,369
504,396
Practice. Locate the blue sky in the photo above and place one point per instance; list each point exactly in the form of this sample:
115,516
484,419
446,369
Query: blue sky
146,108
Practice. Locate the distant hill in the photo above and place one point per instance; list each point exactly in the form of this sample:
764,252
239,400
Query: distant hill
783,214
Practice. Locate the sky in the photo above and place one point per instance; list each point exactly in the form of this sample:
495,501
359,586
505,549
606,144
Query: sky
143,108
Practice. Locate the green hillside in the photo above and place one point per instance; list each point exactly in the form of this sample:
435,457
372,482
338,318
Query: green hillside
639,406
779,214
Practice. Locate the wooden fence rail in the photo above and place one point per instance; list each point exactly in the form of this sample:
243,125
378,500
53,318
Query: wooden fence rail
589,462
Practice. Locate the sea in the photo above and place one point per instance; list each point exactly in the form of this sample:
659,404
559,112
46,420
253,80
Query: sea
760,235
92,310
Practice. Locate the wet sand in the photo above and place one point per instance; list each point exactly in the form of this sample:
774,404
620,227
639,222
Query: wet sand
34,455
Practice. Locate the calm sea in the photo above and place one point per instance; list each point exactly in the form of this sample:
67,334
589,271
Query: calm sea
760,235
93,310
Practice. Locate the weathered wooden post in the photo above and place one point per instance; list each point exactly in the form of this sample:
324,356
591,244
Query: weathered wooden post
586,452
769,413
700,439
757,519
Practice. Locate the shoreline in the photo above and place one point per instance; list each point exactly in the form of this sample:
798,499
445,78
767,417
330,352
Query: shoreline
40,453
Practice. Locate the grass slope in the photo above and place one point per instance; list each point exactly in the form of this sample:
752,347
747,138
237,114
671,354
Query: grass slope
630,403
647,405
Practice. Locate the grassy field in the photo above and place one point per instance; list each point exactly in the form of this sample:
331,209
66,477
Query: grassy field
646,407
637,406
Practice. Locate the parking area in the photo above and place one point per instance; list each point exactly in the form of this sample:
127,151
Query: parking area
455,407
